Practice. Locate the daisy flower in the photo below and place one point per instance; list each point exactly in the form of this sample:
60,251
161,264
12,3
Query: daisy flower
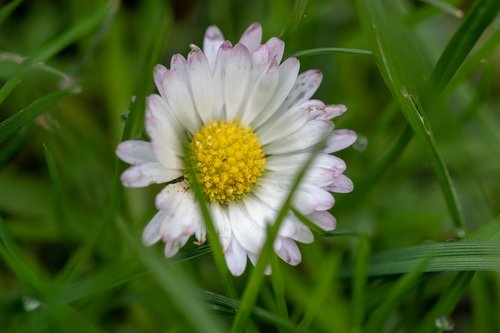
250,123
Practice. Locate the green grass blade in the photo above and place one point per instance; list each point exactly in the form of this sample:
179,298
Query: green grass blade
177,285
59,201
446,302
212,235
406,85
54,46
329,50
35,109
278,283
231,306
298,14
321,292
257,277
7,9
462,42
400,288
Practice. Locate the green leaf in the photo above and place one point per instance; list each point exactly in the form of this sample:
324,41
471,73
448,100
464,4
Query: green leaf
35,109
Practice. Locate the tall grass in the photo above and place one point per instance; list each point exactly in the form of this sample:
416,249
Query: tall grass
417,243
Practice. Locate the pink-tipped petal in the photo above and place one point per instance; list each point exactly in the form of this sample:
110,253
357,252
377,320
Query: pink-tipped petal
306,85
237,77
149,173
276,47
236,258
135,152
339,139
323,219
201,83
341,185
252,37
211,44
289,252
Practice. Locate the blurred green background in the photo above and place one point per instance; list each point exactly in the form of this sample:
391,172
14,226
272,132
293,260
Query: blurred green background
70,252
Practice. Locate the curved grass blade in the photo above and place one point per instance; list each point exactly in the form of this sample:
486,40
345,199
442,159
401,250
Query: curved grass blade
54,46
6,10
406,85
299,10
18,59
28,114
59,201
328,50
460,45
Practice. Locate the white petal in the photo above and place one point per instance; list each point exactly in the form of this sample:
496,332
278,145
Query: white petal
158,73
328,112
211,43
222,225
306,85
302,233
341,185
340,139
201,83
237,76
173,246
310,198
149,173
282,125
261,213
178,97
289,252
152,232
252,37
261,93
218,80
323,219
249,234
135,152
236,258
271,192
287,75
289,164
169,197
276,47
164,131
307,136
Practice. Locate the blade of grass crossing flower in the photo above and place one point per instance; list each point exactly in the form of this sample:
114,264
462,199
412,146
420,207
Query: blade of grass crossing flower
462,42
54,46
176,284
446,303
406,87
257,277
7,9
377,319
319,295
35,109
213,237
328,50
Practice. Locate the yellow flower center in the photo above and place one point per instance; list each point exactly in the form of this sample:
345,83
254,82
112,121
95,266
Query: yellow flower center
228,159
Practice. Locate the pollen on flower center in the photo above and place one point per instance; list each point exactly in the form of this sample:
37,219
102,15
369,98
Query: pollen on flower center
228,158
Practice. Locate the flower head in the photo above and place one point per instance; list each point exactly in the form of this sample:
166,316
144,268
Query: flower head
251,123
